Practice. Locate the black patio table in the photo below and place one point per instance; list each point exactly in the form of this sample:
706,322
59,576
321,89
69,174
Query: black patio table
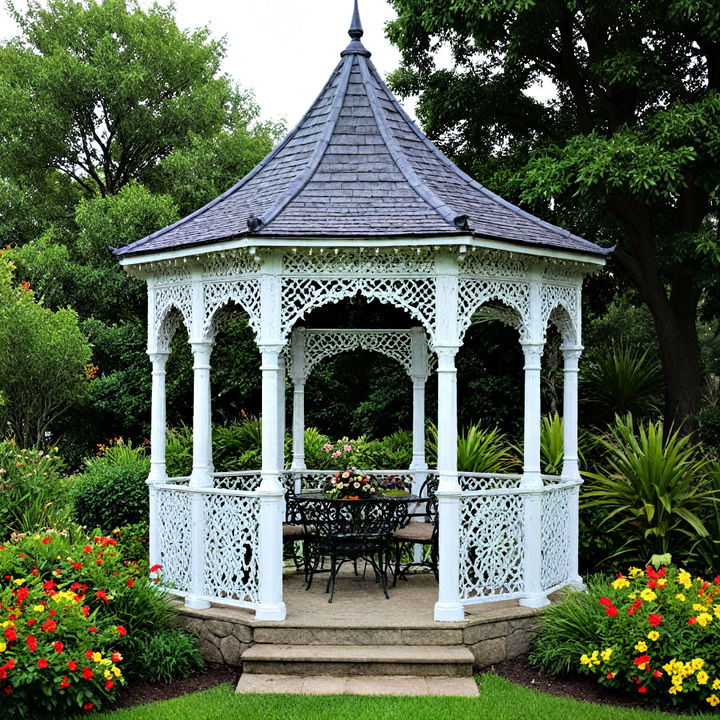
350,530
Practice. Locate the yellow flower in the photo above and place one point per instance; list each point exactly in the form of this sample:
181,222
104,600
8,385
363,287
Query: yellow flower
661,582
716,684
632,596
704,618
19,581
697,663
116,671
634,572
641,646
698,607
677,680
716,610
97,657
3,646
648,595
620,583
713,700
680,597
108,675
702,677
684,578
653,635
39,608
675,689
606,654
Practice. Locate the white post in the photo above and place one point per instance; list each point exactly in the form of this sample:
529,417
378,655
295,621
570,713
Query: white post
448,607
158,472
202,470
532,476
272,495
281,414
571,466
418,375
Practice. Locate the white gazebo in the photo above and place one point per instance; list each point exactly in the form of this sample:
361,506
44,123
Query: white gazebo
357,201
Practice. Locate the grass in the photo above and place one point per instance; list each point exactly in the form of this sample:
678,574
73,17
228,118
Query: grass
499,700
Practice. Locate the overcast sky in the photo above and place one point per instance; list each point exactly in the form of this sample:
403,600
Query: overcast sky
284,50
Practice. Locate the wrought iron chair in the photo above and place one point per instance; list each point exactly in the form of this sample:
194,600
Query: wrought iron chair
294,532
347,531
421,529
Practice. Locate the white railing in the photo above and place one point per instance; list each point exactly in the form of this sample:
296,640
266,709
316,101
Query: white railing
229,549
492,535
315,480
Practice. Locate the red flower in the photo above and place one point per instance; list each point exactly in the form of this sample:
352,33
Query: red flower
31,643
10,635
92,628
88,706
77,566
31,622
121,631
116,657
8,689
717,580
21,595
130,582
109,685
72,665
654,619
102,594
89,654
611,611
85,610
49,626
64,683
692,620
59,647
155,568
642,660
605,601
657,673
642,689
87,549
87,673
42,663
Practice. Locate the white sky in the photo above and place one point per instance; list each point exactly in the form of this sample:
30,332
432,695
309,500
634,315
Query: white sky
284,50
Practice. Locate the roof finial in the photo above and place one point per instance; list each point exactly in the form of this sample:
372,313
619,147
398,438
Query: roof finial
356,30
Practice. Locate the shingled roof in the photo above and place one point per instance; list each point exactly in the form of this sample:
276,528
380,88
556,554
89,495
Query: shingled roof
356,166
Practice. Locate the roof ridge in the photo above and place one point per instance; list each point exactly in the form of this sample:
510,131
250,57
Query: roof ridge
474,183
242,182
323,142
402,163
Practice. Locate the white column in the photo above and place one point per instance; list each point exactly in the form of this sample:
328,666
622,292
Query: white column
447,342
158,472
298,426
418,424
202,470
281,414
271,492
571,466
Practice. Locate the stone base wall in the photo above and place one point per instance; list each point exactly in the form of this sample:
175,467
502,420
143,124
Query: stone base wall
220,641
494,642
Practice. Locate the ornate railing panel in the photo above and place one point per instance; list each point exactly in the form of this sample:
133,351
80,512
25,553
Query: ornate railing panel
556,508
245,480
173,533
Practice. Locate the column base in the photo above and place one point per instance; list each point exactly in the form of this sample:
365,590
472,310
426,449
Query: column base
196,603
449,612
535,601
577,583
274,613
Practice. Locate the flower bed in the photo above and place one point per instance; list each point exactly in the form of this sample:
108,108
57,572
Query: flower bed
658,634
64,609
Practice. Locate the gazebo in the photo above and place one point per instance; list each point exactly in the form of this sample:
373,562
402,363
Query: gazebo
357,201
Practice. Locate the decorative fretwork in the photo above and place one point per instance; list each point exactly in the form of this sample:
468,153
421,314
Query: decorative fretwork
245,293
556,508
486,481
229,264
173,533
492,264
491,546
360,261
560,305
322,344
473,294
171,272
501,313
232,528
171,323
244,480
302,294
173,296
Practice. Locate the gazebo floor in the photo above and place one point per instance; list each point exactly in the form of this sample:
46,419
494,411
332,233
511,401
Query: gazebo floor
360,616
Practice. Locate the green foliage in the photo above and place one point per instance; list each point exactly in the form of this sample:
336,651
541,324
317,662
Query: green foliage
165,656
109,496
33,490
44,358
654,486
551,444
620,379
479,450
708,420
178,451
315,456
102,91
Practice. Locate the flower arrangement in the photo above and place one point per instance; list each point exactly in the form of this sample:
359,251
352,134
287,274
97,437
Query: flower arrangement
349,484
659,636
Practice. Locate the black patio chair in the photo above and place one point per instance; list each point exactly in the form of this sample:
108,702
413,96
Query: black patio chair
347,531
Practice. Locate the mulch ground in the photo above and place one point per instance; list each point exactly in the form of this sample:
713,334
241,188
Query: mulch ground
140,693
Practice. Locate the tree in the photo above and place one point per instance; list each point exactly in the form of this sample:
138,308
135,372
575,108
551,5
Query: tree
101,91
44,361
626,149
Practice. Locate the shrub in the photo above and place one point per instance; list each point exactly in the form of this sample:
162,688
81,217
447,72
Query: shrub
315,457
708,420
654,486
479,450
552,444
33,490
109,496
656,633
165,656
178,451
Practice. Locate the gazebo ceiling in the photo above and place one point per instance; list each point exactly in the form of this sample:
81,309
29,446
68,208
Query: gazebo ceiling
356,166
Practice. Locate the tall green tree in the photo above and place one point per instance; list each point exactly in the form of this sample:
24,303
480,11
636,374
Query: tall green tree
102,90
626,147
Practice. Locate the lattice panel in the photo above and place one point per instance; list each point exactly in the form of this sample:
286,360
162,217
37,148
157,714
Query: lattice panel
475,293
228,264
556,506
482,481
502,314
166,332
492,264
320,345
173,532
246,482
491,545
176,296
360,261
560,303
232,524
171,272
246,293
301,295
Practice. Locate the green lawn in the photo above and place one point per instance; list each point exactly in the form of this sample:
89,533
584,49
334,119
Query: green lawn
499,700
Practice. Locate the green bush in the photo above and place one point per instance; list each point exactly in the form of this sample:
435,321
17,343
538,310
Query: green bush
167,655
109,496
178,451
654,632
479,450
708,420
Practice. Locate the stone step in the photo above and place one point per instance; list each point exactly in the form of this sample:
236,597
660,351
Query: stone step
353,660
358,635
358,685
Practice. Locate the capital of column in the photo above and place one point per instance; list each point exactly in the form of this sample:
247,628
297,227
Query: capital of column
158,360
419,380
446,357
201,355
571,356
533,352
